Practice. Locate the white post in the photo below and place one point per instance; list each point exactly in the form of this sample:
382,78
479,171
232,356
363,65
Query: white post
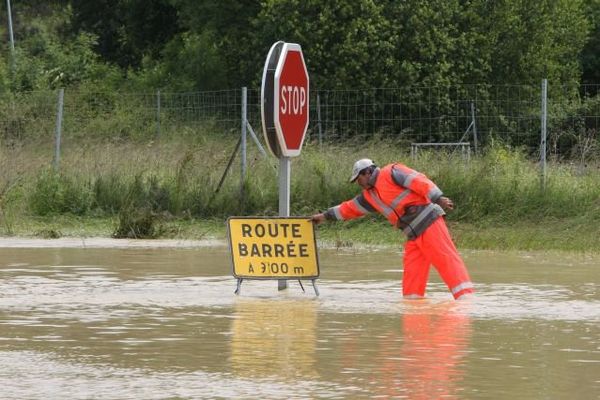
11,36
543,129
284,198
58,131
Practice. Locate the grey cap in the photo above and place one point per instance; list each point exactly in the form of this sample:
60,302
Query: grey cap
359,166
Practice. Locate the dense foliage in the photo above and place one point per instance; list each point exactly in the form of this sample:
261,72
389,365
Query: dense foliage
204,44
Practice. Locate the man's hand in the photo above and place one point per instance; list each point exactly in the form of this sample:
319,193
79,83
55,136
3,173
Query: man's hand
446,203
318,218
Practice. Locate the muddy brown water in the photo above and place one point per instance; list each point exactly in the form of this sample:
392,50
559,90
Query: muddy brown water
154,323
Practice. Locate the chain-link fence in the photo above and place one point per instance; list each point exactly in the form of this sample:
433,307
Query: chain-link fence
461,113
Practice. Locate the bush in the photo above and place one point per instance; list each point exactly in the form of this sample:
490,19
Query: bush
137,224
57,193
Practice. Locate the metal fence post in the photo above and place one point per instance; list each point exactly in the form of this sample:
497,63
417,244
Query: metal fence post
474,127
58,131
243,141
158,113
319,121
544,120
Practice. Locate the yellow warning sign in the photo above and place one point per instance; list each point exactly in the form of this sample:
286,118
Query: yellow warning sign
273,248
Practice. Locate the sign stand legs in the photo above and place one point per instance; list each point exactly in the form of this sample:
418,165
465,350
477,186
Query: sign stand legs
301,286
281,284
239,286
314,283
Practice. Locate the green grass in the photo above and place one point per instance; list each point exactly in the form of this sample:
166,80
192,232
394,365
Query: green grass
570,236
171,186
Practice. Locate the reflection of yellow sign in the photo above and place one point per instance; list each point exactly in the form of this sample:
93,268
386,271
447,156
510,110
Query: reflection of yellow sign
274,338
266,248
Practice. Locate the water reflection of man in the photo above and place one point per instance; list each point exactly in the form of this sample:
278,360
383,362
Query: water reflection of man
274,338
426,360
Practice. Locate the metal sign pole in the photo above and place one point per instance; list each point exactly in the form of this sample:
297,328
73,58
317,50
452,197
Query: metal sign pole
284,199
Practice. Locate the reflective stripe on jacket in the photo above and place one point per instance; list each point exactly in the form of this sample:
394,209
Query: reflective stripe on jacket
404,196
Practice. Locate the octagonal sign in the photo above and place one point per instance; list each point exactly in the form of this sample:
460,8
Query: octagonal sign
291,100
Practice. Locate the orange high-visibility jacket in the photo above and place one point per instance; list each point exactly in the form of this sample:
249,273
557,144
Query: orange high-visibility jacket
407,198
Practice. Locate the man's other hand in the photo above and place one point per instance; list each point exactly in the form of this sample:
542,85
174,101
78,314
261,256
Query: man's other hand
446,203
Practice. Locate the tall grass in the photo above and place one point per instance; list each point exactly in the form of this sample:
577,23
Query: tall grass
178,178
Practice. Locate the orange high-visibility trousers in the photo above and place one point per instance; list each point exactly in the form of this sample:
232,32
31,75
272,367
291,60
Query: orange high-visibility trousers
434,246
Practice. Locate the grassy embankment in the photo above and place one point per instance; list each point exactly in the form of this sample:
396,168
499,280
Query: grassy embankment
166,189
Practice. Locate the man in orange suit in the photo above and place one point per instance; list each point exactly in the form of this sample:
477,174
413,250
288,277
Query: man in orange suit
413,203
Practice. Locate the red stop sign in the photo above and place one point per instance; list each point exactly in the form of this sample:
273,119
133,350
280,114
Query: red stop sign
290,114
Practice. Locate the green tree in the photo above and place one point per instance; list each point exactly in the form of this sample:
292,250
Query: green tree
202,44
189,62
127,30
345,44
430,48
535,40
227,24
590,56
47,57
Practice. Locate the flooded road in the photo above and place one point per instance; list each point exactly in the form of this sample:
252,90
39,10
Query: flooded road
144,323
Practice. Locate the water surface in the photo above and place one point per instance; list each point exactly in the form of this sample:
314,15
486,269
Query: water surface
154,323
